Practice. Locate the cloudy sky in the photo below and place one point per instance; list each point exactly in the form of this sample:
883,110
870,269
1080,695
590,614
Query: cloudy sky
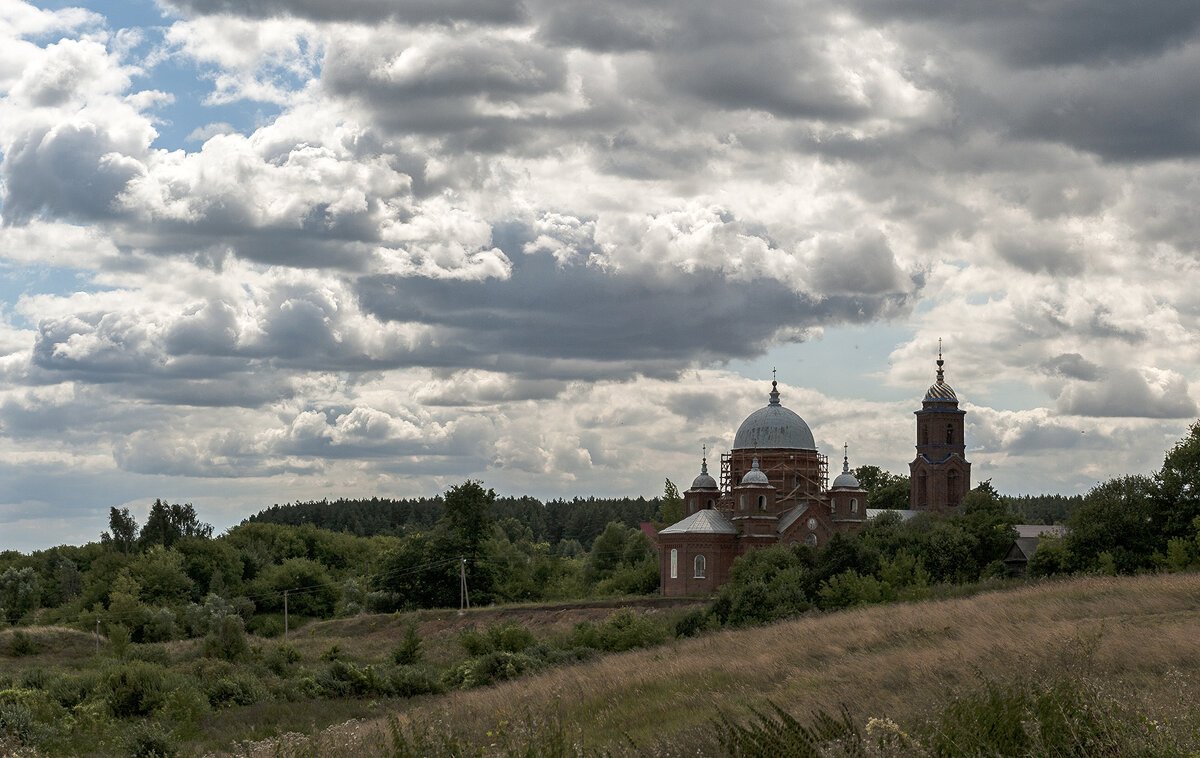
256,251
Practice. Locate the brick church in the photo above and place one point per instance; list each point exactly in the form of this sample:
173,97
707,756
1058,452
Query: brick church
773,489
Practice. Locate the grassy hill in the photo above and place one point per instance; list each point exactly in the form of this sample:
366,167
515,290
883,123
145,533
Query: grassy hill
1133,642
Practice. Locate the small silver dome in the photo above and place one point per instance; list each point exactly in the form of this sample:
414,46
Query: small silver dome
704,481
774,427
755,476
846,480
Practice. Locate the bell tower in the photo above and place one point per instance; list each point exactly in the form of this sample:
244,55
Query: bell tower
940,475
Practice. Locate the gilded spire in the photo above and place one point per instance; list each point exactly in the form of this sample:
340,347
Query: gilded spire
845,458
941,375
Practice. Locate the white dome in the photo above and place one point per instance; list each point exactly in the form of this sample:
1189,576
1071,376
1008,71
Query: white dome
774,427
704,481
755,476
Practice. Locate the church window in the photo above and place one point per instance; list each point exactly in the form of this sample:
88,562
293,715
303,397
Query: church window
854,505
674,563
710,503
812,523
811,540
762,502
949,433
952,488
742,502
699,567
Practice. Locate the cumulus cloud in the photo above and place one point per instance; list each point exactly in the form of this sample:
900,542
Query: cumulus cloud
390,245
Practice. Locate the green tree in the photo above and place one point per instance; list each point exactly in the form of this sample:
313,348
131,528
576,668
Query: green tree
1117,519
161,575
1176,487
123,530
987,518
671,508
884,489
468,515
20,593
167,524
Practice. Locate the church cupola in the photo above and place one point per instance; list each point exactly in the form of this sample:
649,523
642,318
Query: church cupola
704,492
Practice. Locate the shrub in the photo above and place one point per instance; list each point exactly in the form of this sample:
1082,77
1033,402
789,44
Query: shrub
623,630
233,688
227,640
147,739
408,651
410,681
510,637
331,653
150,654
490,668
134,689
691,623
118,640
281,657
17,719
21,644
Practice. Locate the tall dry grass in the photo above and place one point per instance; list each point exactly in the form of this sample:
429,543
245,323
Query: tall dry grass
1141,634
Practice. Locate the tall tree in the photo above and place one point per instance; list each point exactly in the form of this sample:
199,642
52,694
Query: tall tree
123,530
469,515
671,508
1176,488
167,524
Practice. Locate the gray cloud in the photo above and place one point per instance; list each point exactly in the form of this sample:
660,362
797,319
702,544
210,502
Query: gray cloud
1127,392
624,322
1033,33
1073,366
366,11
73,171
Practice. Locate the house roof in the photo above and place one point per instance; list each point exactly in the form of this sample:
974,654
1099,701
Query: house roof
707,521
789,518
1038,530
905,514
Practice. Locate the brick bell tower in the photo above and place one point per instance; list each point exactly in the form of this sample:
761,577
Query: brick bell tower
940,475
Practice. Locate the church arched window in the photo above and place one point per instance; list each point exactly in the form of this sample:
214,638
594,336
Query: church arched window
699,567
811,540
762,502
949,433
854,505
741,502
674,563
710,503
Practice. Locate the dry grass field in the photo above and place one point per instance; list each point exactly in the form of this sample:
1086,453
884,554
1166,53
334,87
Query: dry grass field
1140,636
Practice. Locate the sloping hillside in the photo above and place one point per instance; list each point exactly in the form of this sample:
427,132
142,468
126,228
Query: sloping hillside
897,661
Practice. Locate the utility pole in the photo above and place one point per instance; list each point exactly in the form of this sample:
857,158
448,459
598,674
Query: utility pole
464,599
285,616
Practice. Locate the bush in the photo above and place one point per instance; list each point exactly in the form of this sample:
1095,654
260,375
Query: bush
410,681
510,637
118,640
149,740
408,651
281,657
134,689
21,644
490,668
233,688
691,623
623,630
227,640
